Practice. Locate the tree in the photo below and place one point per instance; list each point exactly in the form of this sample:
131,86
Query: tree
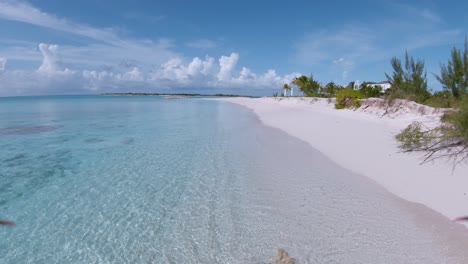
454,75
285,88
307,85
301,82
369,90
410,82
350,85
331,89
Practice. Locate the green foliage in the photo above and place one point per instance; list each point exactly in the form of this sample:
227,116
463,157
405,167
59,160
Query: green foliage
442,99
448,140
331,89
413,137
369,90
348,98
454,75
350,85
408,83
286,87
307,85
459,120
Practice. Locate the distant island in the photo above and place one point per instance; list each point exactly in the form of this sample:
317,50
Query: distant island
175,94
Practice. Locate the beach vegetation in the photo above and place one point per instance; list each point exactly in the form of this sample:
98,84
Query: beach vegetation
330,89
350,85
286,87
408,81
348,98
370,90
448,140
454,75
307,85
443,99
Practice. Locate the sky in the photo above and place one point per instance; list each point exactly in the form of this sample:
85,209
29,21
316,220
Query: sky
245,47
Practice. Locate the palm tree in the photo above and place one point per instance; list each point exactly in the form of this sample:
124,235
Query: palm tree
285,88
301,82
307,85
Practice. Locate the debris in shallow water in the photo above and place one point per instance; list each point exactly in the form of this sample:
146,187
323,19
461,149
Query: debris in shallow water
283,258
7,223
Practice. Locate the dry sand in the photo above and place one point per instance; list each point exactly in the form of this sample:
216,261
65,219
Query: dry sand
363,141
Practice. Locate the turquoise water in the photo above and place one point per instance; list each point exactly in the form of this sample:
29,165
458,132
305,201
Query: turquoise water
93,179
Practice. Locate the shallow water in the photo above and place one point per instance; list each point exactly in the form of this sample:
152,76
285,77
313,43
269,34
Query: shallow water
149,180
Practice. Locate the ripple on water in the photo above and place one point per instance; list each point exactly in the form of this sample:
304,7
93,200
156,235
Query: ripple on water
128,141
25,174
26,130
94,140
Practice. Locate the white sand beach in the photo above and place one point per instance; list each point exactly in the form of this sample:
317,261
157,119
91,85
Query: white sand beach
363,141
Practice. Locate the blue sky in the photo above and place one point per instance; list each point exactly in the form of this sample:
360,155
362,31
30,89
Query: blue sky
75,47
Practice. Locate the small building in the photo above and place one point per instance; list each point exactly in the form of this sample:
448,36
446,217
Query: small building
385,85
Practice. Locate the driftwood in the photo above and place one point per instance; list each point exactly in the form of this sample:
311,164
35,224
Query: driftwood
283,258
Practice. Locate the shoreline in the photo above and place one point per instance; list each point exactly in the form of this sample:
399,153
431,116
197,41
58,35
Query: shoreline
362,141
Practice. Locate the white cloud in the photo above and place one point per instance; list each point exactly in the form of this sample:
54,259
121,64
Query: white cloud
226,66
109,62
198,66
3,62
104,46
202,44
52,77
24,12
410,13
325,45
345,65
133,75
51,62
246,75
431,16
403,27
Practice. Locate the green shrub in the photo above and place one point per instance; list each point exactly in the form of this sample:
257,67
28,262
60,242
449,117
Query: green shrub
448,140
370,90
330,90
413,137
348,98
443,99
459,121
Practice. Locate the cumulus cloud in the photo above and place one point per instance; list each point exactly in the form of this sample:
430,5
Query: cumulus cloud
52,77
108,61
51,62
177,71
226,66
133,75
3,62
104,46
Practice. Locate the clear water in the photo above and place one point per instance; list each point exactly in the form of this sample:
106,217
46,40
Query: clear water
150,180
